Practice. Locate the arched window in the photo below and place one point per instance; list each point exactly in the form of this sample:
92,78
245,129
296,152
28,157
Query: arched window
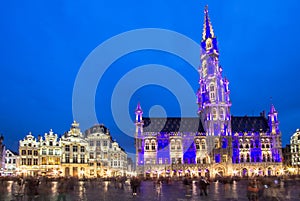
214,114
172,144
212,92
197,145
178,144
248,158
208,44
217,143
242,158
222,114
203,145
146,145
268,158
153,145
264,158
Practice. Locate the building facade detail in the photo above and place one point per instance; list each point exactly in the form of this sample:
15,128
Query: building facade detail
50,154
106,157
295,148
74,160
29,156
75,154
216,143
11,163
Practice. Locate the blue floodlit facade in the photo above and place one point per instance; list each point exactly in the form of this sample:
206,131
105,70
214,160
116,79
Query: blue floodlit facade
216,142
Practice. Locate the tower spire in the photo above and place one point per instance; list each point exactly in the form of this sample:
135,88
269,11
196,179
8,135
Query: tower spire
213,95
208,31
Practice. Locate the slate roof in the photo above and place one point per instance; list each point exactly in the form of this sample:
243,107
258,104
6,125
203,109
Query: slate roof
173,124
252,123
193,124
98,128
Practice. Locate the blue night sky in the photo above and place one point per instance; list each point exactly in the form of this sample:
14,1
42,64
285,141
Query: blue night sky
44,44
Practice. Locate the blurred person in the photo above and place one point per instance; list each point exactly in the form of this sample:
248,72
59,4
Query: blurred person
203,183
252,190
62,189
134,183
18,189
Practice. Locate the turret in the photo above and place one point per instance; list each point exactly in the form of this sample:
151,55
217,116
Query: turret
139,135
273,120
138,114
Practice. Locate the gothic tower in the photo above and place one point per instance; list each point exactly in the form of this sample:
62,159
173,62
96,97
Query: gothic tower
213,95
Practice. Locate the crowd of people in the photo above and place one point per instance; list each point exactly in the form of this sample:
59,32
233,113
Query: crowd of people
39,188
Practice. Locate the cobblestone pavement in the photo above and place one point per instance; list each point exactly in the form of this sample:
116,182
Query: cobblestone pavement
176,191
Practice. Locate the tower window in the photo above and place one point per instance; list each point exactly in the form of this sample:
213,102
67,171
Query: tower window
178,145
153,145
208,44
212,92
147,145
214,114
197,145
217,145
222,114
203,145
172,144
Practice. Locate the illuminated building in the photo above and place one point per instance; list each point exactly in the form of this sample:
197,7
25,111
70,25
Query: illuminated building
74,160
94,154
215,143
106,157
50,154
11,163
29,156
295,148
287,156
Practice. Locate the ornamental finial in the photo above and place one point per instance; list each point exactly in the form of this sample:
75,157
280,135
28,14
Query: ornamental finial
208,31
206,8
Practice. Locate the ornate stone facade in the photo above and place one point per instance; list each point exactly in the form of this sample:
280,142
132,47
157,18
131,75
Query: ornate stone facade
49,154
88,155
11,163
295,148
216,143
106,157
29,156
75,149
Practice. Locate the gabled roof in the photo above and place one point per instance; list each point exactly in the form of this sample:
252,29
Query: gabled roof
13,152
